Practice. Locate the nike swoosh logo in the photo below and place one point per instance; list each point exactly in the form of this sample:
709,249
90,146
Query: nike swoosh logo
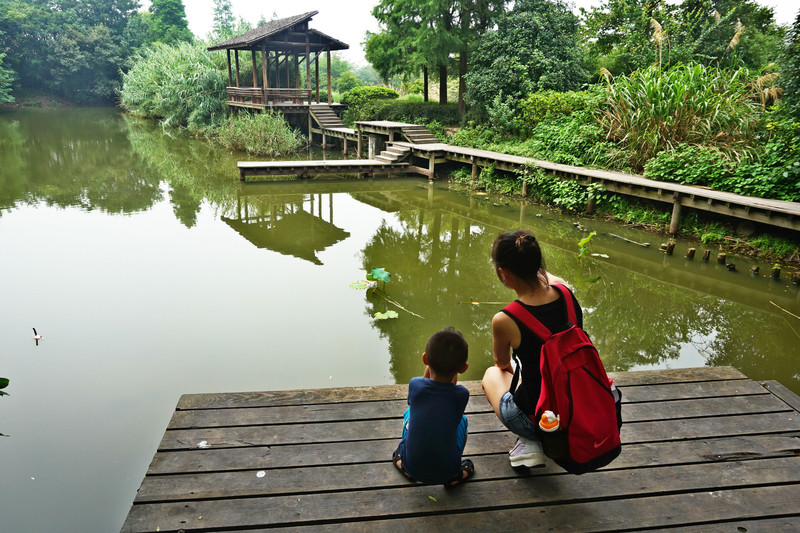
598,444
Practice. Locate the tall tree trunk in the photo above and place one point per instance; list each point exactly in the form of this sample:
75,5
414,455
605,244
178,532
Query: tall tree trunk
462,82
425,82
442,84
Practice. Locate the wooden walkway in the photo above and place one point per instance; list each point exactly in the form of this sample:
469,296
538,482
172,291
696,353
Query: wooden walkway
703,450
305,169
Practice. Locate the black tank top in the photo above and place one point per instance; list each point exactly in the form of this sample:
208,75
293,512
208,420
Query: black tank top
554,316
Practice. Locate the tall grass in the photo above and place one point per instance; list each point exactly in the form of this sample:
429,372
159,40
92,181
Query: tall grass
181,85
653,110
261,133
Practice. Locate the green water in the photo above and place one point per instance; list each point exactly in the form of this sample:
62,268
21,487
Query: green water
151,272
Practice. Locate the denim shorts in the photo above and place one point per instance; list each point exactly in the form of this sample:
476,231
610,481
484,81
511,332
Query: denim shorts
514,419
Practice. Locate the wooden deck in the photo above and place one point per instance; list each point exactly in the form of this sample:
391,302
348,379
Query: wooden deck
703,450
305,169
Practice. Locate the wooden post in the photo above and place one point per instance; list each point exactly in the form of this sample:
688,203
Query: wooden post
308,68
358,134
706,255
670,247
372,146
264,72
432,166
590,204
330,93
344,145
474,169
255,70
690,253
316,75
236,54
230,73
776,272
721,258
676,214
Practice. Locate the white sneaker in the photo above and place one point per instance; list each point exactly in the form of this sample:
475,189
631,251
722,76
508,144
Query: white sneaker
526,453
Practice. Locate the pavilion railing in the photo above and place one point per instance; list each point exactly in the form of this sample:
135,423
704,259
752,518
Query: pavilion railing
262,96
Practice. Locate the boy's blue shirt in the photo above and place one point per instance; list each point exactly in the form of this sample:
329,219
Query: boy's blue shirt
430,451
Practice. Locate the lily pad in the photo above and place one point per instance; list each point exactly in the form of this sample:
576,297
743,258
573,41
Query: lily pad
594,279
379,274
385,316
359,284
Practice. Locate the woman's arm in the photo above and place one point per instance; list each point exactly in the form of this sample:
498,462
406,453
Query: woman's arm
505,335
555,279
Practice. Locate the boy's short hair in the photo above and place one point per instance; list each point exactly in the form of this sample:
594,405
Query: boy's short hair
447,351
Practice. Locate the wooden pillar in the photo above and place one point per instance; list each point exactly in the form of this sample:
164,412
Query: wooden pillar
372,146
474,169
236,54
425,82
316,75
676,214
255,70
330,94
308,68
344,145
230,73
431,166
358,129
288,76
264,68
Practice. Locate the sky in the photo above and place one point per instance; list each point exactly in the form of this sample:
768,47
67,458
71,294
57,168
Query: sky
349,20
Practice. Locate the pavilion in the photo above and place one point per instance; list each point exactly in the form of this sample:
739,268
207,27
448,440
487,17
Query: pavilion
284,46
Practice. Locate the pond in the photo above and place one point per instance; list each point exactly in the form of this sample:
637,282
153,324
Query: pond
152,272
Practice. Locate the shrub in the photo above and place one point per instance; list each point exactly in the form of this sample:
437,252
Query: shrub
363,102
546,104
415,112
692,165
652,110
264,133
181,85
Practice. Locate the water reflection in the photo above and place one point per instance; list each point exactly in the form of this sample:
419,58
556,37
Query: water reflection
290,224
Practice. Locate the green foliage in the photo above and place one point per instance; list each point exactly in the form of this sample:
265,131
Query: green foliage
181,85
224,21
790,71
348,81
264,133
168,22
692,165
652,110
406,110
548,104
363,102
534,48
774,246
626,35
73,49
548,188
7,77
583,244
379,274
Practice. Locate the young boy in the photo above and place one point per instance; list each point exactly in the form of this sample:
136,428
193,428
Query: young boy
434,425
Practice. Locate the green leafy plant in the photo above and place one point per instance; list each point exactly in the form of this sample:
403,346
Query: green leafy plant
583,244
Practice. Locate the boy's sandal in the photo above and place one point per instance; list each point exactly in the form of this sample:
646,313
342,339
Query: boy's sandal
464,473
397,459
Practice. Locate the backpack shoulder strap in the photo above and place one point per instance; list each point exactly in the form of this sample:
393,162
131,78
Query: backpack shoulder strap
518,311
568,303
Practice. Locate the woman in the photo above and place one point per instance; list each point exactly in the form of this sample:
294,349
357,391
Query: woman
519,265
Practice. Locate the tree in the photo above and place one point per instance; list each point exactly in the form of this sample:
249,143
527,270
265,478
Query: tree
625,35
224,21
535,47
790,72
72,48
168,22
426,34
6,82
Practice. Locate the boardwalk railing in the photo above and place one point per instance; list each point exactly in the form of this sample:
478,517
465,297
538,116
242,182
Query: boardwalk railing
261,96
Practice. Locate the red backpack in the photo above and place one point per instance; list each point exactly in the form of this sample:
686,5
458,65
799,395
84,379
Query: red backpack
580,405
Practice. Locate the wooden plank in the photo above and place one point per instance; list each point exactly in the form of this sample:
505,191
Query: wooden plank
654,409
667,511
394,392
361,476
689,420
524,491
791,399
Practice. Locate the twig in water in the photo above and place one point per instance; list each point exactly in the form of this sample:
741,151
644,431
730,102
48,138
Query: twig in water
784,310
642,244
382,295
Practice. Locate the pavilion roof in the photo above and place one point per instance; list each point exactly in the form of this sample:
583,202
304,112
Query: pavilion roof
283,34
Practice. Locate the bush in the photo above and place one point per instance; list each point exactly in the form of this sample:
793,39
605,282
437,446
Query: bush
415,112
546,104
691,165
652,110
264,133
181,85
368,93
